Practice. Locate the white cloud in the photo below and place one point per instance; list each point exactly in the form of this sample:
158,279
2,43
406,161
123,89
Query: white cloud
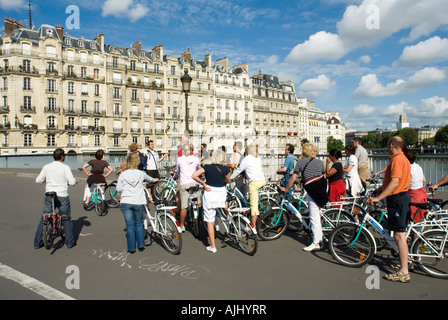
13,4
364,110
399,108
429,51
321,45
124,8
365,59
369,86
314,87
434,107
354,30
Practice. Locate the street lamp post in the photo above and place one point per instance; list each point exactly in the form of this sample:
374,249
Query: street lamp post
186,84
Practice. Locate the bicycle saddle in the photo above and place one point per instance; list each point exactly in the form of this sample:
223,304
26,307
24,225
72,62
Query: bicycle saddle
436,201
422,205
193,189
50,194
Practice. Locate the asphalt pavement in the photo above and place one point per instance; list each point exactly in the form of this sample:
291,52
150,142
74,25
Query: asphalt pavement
99,268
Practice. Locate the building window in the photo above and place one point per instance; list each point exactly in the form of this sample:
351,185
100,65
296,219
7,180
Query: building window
51,140
71,87
27,140
26,83
116,141
27,103
51,104
97,140
51,85
26,67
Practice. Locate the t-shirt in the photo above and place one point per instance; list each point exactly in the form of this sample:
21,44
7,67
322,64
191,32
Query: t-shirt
97,171
354,161
339,173
399,167
152,158
289,163
186,166
213,177
314,168
416,177
362,155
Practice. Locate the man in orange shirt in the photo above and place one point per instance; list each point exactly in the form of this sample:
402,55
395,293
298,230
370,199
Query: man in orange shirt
396,183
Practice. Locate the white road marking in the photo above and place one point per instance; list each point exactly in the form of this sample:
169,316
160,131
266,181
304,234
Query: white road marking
32,284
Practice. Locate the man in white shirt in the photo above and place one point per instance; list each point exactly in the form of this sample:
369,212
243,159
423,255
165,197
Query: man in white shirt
152,162
363,160
57,177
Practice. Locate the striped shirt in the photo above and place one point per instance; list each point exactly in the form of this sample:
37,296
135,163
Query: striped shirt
315,168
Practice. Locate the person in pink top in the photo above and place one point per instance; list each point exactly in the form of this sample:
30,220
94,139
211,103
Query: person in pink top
187,164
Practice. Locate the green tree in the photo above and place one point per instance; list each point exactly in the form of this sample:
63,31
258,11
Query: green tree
409,135
333,143
441,136
372,141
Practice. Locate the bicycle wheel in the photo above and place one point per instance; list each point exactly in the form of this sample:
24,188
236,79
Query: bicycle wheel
242,233
168,196
272,224
157,189
294,222
351,246
171,238
432,254
265,204
333,217
100,207
444,205
112,196
194,220
47,235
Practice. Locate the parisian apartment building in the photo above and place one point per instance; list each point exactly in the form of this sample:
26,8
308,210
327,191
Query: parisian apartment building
59,91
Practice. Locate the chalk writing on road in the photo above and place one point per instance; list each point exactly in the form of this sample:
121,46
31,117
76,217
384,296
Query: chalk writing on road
121,256
187,271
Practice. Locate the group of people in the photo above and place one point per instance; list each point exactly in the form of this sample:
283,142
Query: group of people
403,182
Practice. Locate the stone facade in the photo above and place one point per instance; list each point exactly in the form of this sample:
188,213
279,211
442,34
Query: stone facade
82,95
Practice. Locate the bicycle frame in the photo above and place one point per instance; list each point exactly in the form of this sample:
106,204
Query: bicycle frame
155,220
226,217
412,228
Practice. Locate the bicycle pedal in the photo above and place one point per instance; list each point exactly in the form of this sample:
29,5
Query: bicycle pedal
64,217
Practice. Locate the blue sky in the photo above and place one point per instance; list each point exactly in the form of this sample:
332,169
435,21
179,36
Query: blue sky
370,60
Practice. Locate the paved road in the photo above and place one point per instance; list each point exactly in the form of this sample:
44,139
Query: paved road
280,270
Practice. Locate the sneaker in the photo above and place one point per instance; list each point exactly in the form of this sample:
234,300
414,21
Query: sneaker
182,228
312,247
209,248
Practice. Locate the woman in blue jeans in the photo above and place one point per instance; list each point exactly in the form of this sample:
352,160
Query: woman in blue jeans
133,201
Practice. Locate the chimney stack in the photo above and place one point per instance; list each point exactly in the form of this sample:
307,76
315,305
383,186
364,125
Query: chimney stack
60,31
11,25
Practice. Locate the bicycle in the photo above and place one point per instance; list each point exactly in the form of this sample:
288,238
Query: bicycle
193,210
97,198
168,194
164,225
272,225
353,245
239,228
160,186
52,223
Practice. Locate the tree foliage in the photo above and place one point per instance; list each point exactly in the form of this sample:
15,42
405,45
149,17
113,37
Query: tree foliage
441,136
333,143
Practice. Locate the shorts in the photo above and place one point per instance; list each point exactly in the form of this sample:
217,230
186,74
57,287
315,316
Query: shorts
398,211
184,194
153,174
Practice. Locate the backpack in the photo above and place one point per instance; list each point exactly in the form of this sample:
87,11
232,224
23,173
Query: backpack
143,162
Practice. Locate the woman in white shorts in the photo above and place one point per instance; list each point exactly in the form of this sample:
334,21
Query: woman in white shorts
216,175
